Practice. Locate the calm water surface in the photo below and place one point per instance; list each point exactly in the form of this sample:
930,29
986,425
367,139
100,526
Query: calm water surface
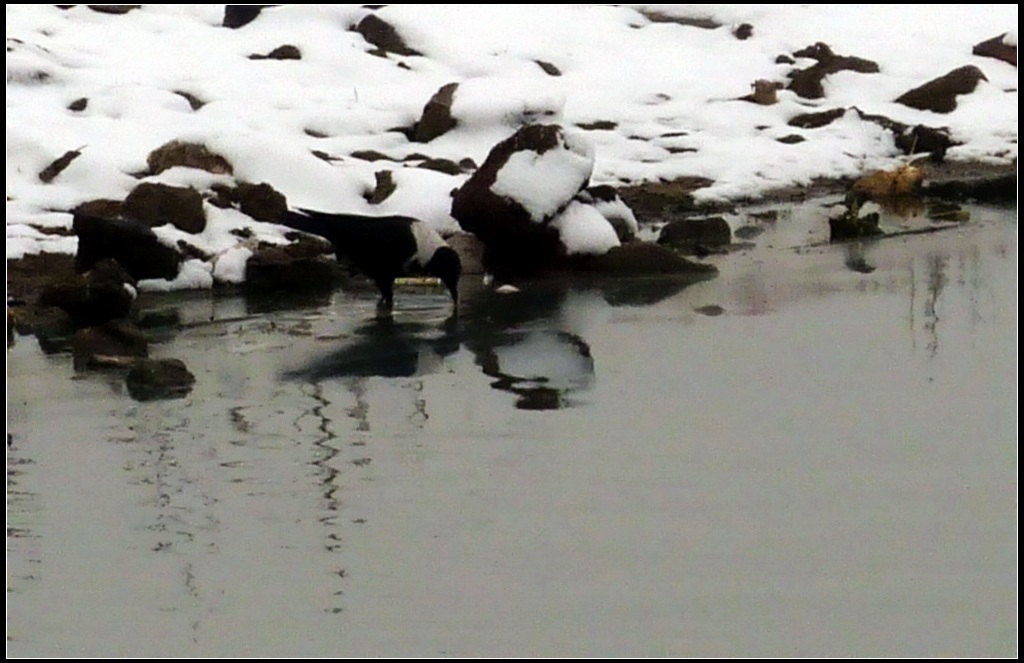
813,454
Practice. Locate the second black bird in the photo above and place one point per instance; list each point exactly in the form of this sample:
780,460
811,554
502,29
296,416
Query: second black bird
383,248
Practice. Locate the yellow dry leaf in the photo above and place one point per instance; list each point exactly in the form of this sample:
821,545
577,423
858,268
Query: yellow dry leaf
901,181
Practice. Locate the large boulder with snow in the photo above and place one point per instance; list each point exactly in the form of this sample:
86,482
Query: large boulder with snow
524,202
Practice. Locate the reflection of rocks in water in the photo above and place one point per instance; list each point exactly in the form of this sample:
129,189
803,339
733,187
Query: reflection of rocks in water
542,367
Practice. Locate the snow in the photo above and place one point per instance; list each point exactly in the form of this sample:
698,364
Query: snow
670,92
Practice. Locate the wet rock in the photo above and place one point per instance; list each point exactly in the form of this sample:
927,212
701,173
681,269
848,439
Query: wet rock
748,232
998,48
851,225
155,204
939,95
58,165
693,236
383,35
807,83
132,244
643,259
153,379
187,155
436,118
991,189
103,293
113,343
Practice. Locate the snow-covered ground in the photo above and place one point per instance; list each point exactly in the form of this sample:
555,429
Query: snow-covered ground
664,95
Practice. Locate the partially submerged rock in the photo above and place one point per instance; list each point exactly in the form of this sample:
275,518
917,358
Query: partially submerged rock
851,225
104,292
114,343
153,379
383,35
696,235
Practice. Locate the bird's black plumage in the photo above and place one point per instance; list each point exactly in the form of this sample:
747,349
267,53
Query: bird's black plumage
383,248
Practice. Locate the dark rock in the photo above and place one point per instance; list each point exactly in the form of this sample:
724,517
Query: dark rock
283,52
132,244
605,199
791,139
437,115
235,16
989,189
385,186
103,293
113,9
78,105
939,95
371,155
656,16
997,48
109,344
58,165
743,31
272,268
642,259
187,155
194,102
383,35
748,232
925,140
516,244
260,201
816,120
851,225
105,207
657,199
807,83
152,379
549,69
784,59
599,125
446,166
156,204
688,234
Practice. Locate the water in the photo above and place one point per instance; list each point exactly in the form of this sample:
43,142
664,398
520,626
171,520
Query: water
813,454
